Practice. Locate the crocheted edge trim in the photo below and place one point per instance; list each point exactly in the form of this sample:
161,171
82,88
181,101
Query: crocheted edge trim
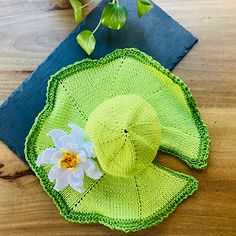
125,225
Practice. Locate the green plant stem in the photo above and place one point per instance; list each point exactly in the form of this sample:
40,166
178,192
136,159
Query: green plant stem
99,23
115,2
88,3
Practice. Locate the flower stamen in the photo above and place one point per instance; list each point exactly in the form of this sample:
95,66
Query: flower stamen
69,160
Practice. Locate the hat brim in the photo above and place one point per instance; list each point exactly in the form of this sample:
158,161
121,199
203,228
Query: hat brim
84,85
76,90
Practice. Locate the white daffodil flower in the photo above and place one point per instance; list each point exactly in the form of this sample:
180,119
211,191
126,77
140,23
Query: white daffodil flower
72,157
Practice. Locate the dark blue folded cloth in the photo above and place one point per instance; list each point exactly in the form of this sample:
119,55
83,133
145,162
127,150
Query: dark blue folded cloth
156,33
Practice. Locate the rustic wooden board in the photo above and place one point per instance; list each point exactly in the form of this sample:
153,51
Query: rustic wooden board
156,34
209,70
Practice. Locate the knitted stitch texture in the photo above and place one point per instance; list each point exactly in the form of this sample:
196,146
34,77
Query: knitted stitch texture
126,133
128,199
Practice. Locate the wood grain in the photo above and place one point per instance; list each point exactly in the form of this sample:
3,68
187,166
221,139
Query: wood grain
29,30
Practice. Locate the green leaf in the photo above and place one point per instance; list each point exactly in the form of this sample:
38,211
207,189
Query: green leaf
87,41
77,7
114,16
144,6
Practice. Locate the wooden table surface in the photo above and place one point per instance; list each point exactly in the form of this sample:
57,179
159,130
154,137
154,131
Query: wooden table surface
30,29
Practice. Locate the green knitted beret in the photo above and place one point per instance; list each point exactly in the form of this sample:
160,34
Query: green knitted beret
94,143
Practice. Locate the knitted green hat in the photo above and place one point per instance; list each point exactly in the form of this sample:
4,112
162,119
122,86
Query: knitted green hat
94,143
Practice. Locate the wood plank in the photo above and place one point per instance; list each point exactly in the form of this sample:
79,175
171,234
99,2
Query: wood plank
209,70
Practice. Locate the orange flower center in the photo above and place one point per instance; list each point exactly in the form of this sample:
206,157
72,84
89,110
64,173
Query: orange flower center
69,160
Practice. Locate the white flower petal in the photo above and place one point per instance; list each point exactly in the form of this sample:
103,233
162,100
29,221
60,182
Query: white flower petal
46,157
65,140
89,165
92,170
68,145
95,174
53,174
77,133
56,135
61,183
57,156
87,147
79,189
76,181
79,172
82,155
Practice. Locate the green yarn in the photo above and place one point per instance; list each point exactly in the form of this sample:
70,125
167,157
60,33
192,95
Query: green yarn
127,199
125,132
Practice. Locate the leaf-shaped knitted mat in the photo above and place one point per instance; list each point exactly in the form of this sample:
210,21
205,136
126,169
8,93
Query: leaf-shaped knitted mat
154,193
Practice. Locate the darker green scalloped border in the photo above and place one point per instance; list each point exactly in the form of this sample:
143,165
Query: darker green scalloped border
125,225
